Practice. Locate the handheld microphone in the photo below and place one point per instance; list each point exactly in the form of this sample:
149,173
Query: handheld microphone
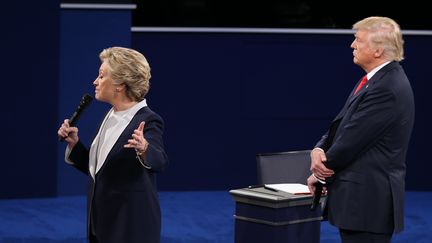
85,101
316,196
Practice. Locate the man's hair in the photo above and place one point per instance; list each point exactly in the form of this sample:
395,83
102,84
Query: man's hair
384,33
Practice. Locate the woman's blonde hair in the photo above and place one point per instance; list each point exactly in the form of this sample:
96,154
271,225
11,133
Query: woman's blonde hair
128,67
385,33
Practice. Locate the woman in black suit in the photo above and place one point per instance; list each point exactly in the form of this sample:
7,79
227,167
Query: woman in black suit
128,150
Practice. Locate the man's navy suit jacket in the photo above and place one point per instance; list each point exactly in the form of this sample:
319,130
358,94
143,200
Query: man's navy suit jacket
123,204
366,146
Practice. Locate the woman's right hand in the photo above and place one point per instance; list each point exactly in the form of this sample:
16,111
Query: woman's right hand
68,133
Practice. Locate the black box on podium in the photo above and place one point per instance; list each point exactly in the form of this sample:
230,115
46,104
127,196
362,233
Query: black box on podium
265,216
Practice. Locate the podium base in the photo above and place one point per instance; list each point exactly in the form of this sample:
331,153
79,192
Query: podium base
275,217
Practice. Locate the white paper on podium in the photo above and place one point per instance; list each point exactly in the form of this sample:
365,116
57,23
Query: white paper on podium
293,188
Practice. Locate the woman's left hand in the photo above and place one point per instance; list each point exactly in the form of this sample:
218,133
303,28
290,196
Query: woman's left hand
138,142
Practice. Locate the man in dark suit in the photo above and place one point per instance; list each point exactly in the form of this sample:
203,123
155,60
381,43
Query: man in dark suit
361,158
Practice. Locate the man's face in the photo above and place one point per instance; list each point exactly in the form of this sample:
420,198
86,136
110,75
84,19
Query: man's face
362,52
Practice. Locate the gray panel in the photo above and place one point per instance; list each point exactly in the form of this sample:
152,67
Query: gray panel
284,167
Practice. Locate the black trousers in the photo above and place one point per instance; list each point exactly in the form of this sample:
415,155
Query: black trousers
93,239
351,236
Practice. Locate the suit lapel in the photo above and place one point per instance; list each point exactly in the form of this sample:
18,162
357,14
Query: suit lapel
94,148
119,142
338,119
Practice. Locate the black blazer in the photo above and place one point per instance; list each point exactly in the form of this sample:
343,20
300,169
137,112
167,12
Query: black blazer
123,204
366,146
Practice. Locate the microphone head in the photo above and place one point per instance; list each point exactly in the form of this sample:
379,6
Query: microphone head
86,99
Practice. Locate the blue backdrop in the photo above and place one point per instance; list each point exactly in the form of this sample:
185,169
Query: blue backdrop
84,33
29,83
224,97
227,97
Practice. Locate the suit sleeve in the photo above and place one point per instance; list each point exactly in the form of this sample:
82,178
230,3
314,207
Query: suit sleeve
373,116
155,157
323,142
80,157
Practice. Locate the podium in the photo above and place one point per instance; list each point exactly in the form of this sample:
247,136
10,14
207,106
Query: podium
265,216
